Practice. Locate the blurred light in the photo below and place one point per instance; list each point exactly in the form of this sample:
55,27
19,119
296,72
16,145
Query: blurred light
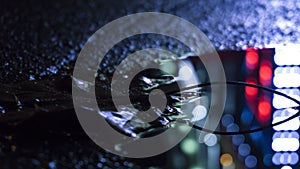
232,127
294,158
276,158
196,167
286,167
52,165
210,139
280,102
264,110
285,158
285,144
227,119
280,115
265,72
226,160
268,160
250,161
232,166
287,77
189,146
246,117
244,149
285,134
251,92
256,135
199,113
238,139
287,55
251,58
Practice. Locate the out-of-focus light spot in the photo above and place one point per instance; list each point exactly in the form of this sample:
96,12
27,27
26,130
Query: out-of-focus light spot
99,165
293,158
276,158
286,167
280,102
264,110
285,144
52,165
246,117
265,72
244,149
189,146
251,92
287,77
285,134
185,73
287,55
280,115
285,158
257,135
251,58
268,160
199,113
232,127
232,166
251,161
210,139
226,160
196,167
227,119
238,139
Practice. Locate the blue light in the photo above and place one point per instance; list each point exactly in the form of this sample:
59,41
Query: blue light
251,161
246,117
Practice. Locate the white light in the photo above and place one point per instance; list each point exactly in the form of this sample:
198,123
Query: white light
286,167
199,113
289,125
280,115
287,77
280,102
210,139
287,55
285,144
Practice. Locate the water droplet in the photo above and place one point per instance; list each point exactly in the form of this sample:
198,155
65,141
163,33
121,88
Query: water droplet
2,110
52,69
31,77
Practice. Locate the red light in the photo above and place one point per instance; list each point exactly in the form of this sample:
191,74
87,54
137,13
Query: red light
251,92
265,73
264,110
251,58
